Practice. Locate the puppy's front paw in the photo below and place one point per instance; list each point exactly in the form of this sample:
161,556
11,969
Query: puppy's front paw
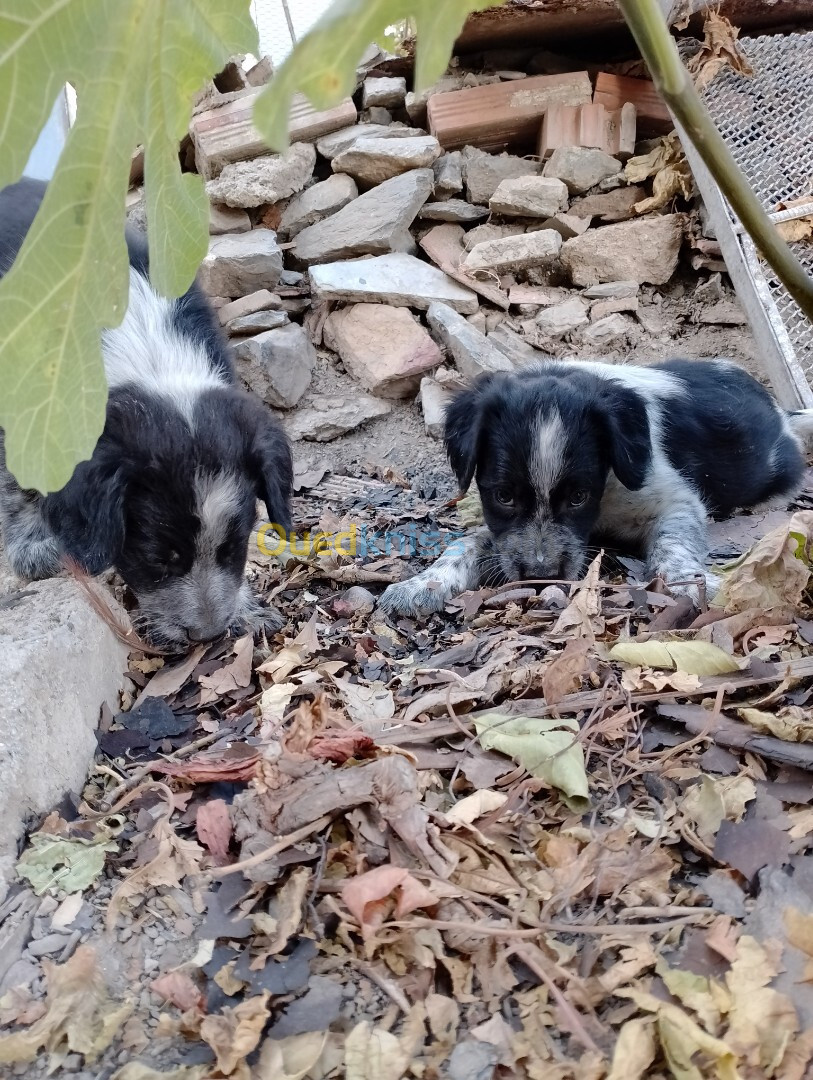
682,587
417,596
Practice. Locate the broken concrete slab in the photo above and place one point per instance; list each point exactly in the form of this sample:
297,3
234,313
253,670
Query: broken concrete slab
224,219
611,206
580,167
337,141
257,322
374,223
515,252
645,251
529,196
372,161
448,170
454,210
470,350
387,92
264,180
435,399
328,416
59,663
239,264
397,279
317,203
445,247
262,300
561,319
277,365
483,173
385,348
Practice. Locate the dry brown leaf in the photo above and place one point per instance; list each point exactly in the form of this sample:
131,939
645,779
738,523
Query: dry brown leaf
720,49
792,723
373,1054
233,676
237,762
137,1070
171,678
762,1022
635,1050
236,1031
672,176
775,572
474,806
19,1006
563,675
372,896
582,617
179,989
80,1016
291,1058
214,828
284,915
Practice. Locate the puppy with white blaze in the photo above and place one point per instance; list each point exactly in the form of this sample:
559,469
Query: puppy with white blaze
575,455
169,496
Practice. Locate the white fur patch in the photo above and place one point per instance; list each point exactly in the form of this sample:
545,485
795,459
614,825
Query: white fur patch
547,460
148,351
217,499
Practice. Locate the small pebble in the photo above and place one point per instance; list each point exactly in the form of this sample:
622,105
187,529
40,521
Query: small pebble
48,945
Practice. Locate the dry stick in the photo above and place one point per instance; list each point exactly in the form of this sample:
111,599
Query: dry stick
145,770
393,991
577,1028
281,845
488,930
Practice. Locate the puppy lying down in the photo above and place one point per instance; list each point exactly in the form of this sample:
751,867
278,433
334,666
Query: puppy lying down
571,455
169,495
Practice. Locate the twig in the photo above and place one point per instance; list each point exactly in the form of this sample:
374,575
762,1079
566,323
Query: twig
282,844
489,930
577,1028
145,770
387,985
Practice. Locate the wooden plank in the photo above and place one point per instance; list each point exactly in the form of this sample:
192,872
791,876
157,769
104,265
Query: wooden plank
503,115
226,132
613,91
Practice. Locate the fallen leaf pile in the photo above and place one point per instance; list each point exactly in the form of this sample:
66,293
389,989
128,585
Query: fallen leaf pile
720,50
560,835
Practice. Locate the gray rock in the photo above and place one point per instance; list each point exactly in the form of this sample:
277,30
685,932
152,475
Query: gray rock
397,279
257,322
277,365
317,203
384,347
611,328
612,290
723,313
480,234
264,180
514,252
224,219
483,173
529,196
563,318
374,223
59,663
510,344
618,205
448,171
416,103
330,416
580,167
372,161
435,398
239,264
389,92
331,145
567,225
377,115
470,350
455,210
645,251
473,1060
262,300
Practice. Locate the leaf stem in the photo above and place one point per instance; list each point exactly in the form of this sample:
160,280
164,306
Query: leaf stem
659,51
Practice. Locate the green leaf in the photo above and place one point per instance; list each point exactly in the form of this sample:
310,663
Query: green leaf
52,862
323,64
547,748
694,657
136,65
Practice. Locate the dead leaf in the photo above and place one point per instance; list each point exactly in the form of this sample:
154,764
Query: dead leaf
582,617
137,1070
233,676
474,806
672,176
790,723
693,657
179,990
284,915
385,890
54,863
373,1054
340,747
237,762
171,678
214,828
634,1051
564,674
775,572
720,49
80,1016
236,1031
366,703
291,1058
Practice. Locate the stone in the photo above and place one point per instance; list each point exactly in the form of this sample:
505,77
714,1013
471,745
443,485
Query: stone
645,251
511,345
376,222
541,295
397,279
337,141
483,173
563,318
261,300
59,663
478,320
435,398
372,161
264,180
567,225
389,92
448,170
618,205
454,210
224,219
329,416
277,365
515,252
611,290
317,203
377,115
470,350
529,196
611,328
580,167
237,264
257,322
723,313
602,308
385,348
444,246
482,234
416,103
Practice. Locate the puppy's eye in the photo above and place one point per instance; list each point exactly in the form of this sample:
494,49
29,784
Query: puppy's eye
504,496
578,498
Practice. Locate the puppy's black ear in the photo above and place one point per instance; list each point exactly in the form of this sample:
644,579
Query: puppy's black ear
628,432
463,429
87,515
270,462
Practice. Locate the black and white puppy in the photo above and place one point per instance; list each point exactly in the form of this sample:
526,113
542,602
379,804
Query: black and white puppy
169,495
573,454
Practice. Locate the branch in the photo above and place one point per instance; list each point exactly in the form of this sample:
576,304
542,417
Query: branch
659,51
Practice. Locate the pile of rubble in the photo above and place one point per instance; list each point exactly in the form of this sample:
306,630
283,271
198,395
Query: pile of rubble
422,239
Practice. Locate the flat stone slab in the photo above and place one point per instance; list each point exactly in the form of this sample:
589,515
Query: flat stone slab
277,365
317,203
529,196
329,416
514,252
397,279
372,161
645,251
457,211
242,263
264,180
471,351
333,144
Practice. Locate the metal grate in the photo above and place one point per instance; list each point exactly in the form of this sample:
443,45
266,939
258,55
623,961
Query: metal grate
767,122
